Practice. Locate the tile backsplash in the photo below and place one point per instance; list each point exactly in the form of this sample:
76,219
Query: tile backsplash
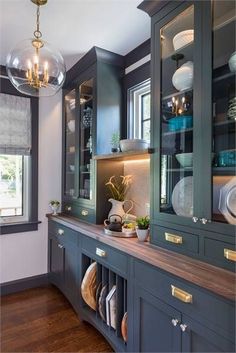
139,191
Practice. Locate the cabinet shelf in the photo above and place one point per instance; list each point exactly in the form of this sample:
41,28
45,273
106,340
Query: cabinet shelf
176,94
187,51
184,131
125,156
224,171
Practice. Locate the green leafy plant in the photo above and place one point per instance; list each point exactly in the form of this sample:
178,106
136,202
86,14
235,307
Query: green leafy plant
143,222
54,203
118,186
115,140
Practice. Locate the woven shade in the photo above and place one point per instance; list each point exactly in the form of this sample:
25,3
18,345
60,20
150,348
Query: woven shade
15,125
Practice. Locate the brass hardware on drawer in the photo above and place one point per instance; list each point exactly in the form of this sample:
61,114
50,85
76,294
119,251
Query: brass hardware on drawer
84,212
230,254
181,294
100,252
60,246
60,232
172,238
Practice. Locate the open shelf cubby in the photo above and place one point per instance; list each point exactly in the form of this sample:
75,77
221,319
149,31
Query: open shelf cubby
105,277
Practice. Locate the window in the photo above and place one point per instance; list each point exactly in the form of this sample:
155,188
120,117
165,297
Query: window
18,160
139,115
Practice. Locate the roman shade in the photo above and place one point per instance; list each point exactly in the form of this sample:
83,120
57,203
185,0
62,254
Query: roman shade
15,125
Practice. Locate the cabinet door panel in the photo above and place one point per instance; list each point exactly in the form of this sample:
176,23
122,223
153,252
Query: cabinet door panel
198,338
56,261
71,274
153,329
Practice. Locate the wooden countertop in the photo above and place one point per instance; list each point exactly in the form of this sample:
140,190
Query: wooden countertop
214,279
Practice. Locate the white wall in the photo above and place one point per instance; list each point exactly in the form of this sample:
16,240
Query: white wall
25,254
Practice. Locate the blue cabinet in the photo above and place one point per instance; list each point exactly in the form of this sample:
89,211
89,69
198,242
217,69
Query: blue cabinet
193,128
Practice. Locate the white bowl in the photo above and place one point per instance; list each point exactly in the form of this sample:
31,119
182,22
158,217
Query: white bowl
133,145
71,125
183,38
185,159
232,62
183,77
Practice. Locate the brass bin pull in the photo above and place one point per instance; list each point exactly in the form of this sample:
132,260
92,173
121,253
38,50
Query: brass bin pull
181,294
100,252
172,238
230,254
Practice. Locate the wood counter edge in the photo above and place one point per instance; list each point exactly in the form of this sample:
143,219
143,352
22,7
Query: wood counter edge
215,279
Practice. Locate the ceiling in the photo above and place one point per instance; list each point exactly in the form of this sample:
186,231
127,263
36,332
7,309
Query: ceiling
74,26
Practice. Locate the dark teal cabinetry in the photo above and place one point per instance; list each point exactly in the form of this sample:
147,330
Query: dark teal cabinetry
63,260
193,128
92,104
153,328
165,313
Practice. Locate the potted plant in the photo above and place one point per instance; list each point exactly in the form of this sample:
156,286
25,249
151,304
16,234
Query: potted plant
115,142
142,228
54,204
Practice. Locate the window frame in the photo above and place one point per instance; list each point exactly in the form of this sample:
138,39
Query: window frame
135,109
32,223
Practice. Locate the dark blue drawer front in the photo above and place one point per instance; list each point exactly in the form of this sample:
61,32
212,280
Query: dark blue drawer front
63,234
214,251
112,258
175,240
206,308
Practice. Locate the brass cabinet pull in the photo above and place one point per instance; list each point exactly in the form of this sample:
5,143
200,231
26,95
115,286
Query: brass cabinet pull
100,252
181,294
172,238
84,212
230,254
60,231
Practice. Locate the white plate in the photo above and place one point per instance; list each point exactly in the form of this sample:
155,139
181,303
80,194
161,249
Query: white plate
227,201
182,197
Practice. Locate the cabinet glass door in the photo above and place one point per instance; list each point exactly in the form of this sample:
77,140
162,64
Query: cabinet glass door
70,116
85,139
176,143
224,112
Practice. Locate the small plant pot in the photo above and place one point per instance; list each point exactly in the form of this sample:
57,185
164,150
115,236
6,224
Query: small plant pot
142,234
115,149
55,209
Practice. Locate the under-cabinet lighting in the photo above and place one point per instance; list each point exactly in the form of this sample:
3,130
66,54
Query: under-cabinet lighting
138,161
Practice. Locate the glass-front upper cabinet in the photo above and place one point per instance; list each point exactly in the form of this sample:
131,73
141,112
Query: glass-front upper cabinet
176,115
224,112
86,104
70,118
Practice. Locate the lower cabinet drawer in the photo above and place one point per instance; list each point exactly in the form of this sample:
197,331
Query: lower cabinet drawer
82,213
175,240
204,307
63,233
221,253
106,255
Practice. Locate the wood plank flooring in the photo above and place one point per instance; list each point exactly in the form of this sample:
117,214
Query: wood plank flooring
42,320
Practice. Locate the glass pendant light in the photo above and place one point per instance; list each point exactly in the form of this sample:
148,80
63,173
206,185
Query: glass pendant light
34,67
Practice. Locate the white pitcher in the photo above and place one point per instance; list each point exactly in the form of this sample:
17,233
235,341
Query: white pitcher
118,208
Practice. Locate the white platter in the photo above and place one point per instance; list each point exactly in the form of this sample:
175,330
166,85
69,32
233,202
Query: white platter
182,197
227,201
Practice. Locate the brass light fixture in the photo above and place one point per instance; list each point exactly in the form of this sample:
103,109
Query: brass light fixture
34,67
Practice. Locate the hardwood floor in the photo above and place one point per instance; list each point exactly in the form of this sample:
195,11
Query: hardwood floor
42,320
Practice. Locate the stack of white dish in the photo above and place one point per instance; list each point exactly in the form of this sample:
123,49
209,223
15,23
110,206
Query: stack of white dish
183,38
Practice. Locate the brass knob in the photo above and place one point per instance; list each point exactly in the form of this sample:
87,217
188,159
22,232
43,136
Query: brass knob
68,208
84,212
195,219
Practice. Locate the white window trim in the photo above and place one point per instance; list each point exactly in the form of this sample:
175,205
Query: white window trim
134,129
26,201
